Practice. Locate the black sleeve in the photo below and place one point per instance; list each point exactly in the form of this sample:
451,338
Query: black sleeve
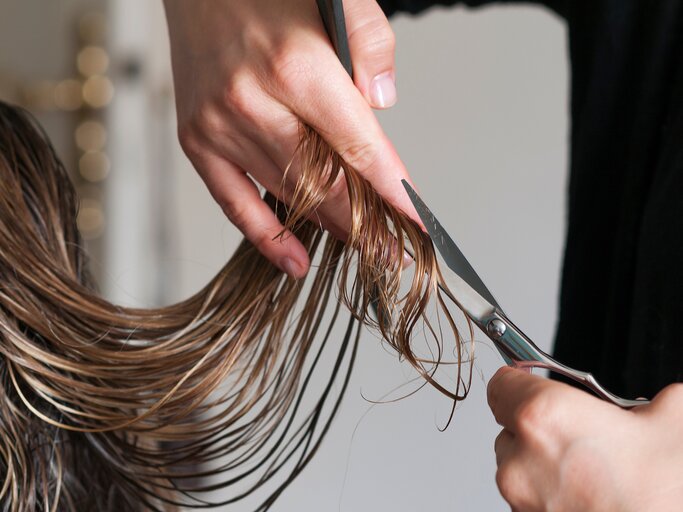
416,6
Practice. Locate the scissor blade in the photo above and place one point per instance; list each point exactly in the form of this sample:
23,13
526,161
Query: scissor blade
451,255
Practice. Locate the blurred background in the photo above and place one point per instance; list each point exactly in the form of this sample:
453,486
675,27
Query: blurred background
481,124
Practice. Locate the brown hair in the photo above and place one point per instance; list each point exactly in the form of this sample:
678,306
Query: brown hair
110,408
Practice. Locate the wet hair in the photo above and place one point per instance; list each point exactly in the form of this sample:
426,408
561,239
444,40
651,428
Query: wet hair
110,408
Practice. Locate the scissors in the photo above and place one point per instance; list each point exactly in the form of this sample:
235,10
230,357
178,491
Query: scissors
462,284
466,289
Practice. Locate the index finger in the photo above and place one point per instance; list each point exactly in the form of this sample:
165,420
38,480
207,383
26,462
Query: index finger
316,88
507,392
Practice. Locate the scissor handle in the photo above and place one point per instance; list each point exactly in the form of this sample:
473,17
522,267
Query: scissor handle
332,14
518,350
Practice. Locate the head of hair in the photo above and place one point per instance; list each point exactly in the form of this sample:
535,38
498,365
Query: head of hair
110,408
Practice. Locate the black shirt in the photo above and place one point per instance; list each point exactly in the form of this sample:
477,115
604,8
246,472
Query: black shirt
621,304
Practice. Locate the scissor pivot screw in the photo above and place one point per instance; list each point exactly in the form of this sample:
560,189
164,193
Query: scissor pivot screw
496,328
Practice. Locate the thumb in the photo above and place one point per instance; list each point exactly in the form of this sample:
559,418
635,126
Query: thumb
372,44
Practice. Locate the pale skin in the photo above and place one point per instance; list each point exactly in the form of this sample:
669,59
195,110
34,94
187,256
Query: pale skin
564,450
246,73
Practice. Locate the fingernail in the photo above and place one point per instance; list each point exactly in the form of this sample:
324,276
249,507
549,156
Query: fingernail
292,268
383,90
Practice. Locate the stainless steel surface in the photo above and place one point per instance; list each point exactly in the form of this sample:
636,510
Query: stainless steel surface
525,354
466,289
455,259
496,328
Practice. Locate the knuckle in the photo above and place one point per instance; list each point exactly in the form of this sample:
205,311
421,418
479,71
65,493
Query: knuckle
532,417
239,96
207,119
188,139
505,480
492,391
254,37
362,156
374,37
290,69
236,212
498,441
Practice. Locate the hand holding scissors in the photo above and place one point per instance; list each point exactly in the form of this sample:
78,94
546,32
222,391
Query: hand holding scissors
466,289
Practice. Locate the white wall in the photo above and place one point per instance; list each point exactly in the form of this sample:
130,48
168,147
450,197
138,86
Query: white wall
38,42
481,123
